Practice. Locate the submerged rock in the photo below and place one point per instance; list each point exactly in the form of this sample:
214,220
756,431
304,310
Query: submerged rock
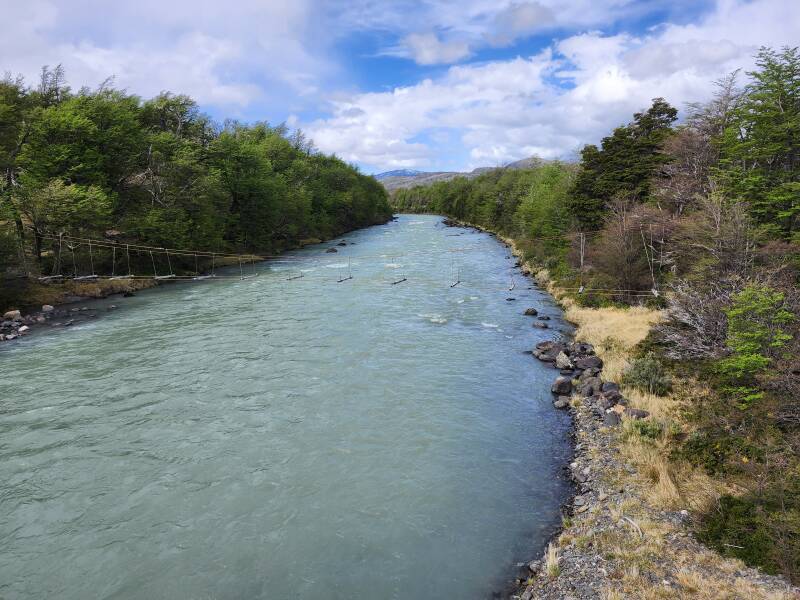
530,312
331,250
561,402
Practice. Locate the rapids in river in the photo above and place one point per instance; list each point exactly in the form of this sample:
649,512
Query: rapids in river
289,437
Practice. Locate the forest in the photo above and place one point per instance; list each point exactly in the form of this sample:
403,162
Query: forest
700,218
105,164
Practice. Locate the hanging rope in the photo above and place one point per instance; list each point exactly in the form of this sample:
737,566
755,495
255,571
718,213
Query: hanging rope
113,260
128,255
153,260
74,263
583,252
169,262
650,265
57,261
91,258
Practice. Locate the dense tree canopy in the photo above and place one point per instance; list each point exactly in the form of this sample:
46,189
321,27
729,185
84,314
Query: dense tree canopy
160,172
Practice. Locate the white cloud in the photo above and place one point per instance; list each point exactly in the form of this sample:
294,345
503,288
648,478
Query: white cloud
221,55
519,20
552,103
428,49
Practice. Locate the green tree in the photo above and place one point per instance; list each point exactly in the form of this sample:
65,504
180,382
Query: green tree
756,331
760,148
624,165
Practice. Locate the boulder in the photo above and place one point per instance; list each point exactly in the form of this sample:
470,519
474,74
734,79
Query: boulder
540,325
563,361
580,349
611,419
13,315
636,413
610,386
547,351
561,402
562,386
342,244
588,362
331,250
591,387
47,308
530,312
543,318
24,329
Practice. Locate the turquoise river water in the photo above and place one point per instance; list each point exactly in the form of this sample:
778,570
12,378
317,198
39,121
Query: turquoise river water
289,438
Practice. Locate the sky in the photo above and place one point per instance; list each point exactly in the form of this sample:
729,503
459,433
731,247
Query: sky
396,84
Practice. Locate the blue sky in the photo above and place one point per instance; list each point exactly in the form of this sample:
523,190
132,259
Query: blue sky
433,85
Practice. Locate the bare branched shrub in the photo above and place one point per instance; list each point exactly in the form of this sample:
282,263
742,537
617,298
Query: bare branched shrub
696,325
717,239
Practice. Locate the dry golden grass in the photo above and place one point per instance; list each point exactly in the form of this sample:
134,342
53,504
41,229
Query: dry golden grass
551,566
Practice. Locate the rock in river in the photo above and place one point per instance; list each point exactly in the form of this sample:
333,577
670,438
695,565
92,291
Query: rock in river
562,386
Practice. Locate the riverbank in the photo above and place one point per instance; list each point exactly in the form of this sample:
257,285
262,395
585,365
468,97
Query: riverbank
27,303
628,530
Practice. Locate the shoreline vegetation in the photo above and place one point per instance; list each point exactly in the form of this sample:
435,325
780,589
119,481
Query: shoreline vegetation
108,166
675,249
627,531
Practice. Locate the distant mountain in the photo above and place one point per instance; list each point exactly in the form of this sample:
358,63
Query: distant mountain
406,178
397,173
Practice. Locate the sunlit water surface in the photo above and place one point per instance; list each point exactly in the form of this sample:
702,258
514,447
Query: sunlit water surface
275,438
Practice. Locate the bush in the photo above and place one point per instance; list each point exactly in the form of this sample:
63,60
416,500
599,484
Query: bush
647,428
761,529
647,374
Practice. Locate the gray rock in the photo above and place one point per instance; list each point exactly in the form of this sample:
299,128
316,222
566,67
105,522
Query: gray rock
543,318
563,361
540,325
591,386
581,349
561,402
588,362
13,315
611,419
530,312
636,413
609,386
562,386
547,351
331,250
47,308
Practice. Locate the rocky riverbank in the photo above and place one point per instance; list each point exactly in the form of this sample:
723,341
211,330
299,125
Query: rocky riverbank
628,530
61,305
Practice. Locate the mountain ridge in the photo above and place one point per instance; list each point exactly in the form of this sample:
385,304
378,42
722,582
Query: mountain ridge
406,178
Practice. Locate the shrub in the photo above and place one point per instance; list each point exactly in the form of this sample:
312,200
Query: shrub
647,428
760,529
647,374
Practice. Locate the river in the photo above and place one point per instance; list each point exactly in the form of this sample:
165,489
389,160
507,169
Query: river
289,437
